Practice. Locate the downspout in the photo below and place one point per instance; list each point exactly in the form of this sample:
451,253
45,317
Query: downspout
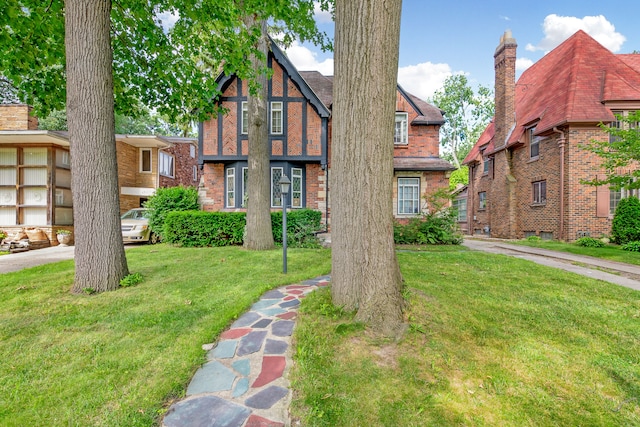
470,201
325,168
561,144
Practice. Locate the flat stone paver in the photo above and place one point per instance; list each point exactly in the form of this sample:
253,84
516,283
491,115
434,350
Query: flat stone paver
244,382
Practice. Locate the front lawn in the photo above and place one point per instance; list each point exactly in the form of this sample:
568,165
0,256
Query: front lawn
610,252
119,358
493,341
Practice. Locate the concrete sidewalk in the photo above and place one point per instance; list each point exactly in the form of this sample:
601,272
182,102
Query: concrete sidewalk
609,271
33,258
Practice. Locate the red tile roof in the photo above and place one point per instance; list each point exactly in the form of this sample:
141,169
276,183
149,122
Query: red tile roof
322,86
571,84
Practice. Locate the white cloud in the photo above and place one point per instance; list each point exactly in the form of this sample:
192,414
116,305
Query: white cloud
305,59
523,63
322,16
558,28
422,80
168,19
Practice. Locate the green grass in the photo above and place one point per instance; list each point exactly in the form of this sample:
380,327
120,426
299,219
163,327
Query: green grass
492,341
610,252
119,358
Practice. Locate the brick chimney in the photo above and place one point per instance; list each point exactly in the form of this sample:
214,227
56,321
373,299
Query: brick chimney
17,117
505,85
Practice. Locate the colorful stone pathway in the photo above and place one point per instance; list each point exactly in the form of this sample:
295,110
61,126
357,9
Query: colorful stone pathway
244,382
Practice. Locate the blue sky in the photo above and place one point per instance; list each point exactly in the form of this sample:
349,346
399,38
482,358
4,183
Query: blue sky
441,38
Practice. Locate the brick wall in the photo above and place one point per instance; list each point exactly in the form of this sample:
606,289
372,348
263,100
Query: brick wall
183,165
17,117
128,164
212,187
424,140
580,200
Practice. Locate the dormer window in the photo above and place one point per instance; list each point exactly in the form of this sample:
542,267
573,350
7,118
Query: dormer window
401,136
534,144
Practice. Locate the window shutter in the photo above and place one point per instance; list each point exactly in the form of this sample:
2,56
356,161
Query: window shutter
602,199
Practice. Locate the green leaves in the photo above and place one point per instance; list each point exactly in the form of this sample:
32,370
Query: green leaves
466,114
618,151
171,70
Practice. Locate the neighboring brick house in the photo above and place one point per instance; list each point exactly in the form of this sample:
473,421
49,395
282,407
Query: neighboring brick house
525,170
35,171
300,139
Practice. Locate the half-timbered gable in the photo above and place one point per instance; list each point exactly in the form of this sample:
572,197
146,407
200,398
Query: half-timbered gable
298,140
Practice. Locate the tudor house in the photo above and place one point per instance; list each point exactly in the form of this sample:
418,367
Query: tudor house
35,171
299,116
526,169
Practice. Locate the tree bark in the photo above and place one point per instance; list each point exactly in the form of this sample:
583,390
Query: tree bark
99,254
258,233
365,271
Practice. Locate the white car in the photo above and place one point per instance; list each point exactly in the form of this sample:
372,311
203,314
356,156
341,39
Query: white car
135,227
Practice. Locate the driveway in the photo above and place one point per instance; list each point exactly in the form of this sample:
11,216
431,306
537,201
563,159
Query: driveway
609,271
20,260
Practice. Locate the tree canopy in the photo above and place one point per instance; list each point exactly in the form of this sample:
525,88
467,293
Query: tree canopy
619,153
171,69
146,123
467,113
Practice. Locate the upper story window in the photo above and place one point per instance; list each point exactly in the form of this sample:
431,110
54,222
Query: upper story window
192,151
485,165
165,164
401,135
245,117
620,124
145,160
534,143
276,117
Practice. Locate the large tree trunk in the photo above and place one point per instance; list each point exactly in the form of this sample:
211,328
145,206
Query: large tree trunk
99,254
365,272
258,234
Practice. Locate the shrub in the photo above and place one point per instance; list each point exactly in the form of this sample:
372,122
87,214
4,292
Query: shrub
632,246
302,226
626,221
439,228
533,239
197,228
590,242
167,200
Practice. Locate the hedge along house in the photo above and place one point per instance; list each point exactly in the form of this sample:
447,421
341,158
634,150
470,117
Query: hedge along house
525,170
35,171
299,116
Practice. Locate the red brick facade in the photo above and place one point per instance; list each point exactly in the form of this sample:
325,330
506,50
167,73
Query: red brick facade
549,109
305,142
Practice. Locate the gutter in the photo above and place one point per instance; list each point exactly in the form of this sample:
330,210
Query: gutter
561,144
